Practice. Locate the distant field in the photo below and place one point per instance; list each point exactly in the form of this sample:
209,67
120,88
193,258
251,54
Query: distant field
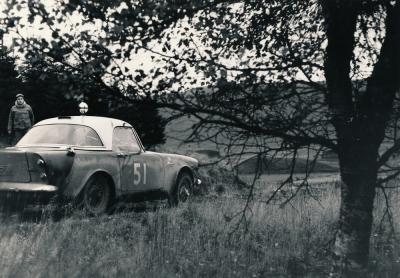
194,240
177,131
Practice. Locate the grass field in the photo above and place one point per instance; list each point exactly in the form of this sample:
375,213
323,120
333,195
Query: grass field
194,240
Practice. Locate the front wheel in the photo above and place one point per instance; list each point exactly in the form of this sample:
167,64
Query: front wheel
97,196
183,190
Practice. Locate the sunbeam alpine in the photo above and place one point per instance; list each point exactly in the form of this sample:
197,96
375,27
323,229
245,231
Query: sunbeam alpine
93,161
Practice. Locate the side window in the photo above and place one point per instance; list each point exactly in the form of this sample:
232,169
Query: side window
85,136
124,140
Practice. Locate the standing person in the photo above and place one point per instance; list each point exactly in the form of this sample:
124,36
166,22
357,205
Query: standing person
20,119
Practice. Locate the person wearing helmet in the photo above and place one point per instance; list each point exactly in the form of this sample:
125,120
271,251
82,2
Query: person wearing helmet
20,119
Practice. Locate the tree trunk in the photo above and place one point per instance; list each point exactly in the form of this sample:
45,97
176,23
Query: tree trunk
360,121
358,168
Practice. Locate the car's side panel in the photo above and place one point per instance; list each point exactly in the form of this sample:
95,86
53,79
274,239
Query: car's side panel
141,172
133,172
88,163
154,166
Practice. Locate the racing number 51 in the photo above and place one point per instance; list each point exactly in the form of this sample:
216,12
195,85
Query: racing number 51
139,173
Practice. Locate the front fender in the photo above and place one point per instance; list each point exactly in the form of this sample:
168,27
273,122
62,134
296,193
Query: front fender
172,171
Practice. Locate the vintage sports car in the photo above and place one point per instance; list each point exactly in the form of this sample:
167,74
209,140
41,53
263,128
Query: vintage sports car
92,161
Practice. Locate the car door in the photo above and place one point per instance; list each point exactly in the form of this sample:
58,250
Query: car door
139,170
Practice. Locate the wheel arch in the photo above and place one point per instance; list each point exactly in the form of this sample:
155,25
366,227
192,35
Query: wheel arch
103,174
184,169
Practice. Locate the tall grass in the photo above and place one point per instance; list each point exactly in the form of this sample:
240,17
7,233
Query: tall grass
194,240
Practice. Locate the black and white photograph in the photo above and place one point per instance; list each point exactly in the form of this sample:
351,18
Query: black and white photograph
200,138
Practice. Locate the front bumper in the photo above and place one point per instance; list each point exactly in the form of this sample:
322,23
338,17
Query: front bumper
198,187
22,195
196,177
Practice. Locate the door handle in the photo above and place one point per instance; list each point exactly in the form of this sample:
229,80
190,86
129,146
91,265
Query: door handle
121,154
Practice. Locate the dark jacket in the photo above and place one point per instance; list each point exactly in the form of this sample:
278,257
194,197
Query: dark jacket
20,117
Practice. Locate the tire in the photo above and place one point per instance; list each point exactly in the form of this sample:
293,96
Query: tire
97,196
182,191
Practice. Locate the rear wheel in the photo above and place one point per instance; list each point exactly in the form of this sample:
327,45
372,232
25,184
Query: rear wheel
97,196
183,190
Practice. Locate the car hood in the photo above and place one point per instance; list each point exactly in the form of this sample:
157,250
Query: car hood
192,162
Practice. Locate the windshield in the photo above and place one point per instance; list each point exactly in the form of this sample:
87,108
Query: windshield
61,134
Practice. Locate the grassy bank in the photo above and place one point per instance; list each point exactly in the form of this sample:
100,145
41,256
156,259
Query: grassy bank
194,240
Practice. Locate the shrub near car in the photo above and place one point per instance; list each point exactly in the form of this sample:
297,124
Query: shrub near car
94,161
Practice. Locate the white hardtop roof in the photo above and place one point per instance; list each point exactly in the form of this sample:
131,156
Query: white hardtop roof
102,125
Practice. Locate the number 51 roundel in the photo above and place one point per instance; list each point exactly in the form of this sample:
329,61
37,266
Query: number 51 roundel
139,173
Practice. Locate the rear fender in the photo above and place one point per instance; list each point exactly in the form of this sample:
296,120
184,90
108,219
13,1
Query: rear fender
101,172
88,164
57,166
76,186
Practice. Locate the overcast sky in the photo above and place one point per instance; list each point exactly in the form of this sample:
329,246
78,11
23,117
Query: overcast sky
142,60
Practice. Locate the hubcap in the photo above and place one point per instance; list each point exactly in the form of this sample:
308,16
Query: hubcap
96,196
184,191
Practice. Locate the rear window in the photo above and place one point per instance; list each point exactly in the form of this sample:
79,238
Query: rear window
63,134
